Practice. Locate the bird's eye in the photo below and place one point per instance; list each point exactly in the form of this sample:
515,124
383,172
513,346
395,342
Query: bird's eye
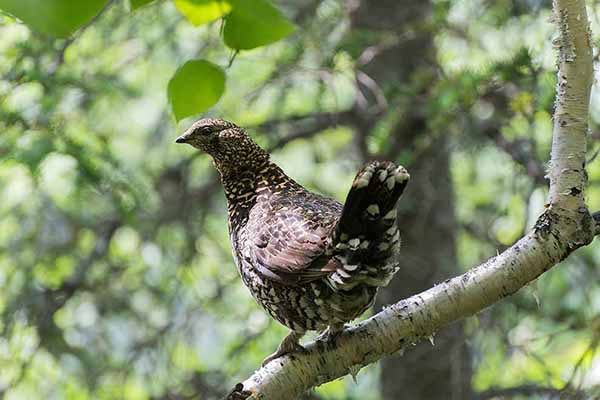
204,130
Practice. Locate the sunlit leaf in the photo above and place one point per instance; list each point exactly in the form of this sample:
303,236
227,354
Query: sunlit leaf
53,17
199,12
253,24
196,86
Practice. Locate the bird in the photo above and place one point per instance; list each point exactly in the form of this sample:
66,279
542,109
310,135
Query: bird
312,263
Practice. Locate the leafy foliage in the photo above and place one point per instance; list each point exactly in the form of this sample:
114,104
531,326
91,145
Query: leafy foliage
254,24
53,17
200,12
249,25
195,87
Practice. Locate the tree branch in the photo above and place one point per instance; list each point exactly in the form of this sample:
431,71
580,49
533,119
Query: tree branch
303,126
567,160
564,226
412,319
521,150
60,57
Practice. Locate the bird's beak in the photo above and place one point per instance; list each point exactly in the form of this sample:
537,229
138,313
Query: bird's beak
183,138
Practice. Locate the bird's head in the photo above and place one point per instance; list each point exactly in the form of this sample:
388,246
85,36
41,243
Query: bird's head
228,144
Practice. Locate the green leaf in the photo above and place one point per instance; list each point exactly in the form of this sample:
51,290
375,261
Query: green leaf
135,4
196,86
253,24
53,17
199,12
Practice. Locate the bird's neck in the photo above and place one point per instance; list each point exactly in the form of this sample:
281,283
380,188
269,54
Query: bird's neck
244,186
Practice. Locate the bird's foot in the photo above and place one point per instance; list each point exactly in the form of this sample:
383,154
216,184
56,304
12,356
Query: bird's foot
289,344
331,334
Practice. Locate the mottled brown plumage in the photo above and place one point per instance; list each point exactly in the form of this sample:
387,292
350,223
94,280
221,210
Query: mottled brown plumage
310,262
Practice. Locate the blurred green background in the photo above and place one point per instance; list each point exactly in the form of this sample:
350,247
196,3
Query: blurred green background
116,279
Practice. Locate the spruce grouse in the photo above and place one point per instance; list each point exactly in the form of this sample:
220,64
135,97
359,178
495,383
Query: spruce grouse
309,261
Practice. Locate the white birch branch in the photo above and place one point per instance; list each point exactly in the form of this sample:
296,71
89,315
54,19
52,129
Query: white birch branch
565,226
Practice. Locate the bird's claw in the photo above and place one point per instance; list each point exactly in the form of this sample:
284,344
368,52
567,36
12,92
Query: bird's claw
288,345
297,348
331,334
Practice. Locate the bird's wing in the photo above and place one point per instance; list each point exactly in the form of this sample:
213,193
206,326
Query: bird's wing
288,242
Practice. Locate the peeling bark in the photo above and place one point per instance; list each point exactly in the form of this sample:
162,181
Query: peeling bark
565,226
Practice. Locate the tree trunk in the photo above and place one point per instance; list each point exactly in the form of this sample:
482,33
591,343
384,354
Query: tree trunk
444,370
427,216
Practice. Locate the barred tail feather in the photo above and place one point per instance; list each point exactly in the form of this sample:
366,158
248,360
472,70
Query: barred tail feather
366,240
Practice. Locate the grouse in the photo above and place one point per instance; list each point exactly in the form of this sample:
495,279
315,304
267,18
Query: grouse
309,261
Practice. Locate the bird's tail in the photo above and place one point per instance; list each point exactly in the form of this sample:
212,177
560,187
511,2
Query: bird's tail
366,240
